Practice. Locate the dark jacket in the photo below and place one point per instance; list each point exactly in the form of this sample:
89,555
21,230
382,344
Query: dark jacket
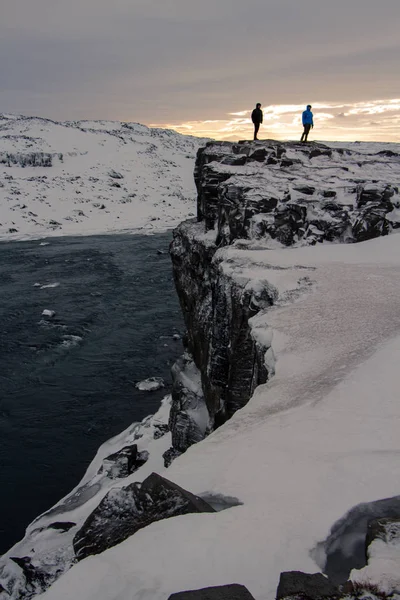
257,115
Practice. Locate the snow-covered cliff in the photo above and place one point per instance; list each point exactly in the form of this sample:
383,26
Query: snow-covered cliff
291,375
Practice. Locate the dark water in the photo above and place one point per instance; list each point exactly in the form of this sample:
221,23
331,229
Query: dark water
62,396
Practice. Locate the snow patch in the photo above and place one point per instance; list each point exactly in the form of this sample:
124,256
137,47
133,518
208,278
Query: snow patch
151,384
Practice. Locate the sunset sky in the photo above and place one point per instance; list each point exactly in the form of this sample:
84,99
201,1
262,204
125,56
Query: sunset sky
200,66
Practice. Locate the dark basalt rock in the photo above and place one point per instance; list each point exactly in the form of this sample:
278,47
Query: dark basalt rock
322,151
169,456
370,223
259,155
225,592
234,201
188,418
122,512
286,162
124,462
345,547
62,526
160,430
305,189
385,529
216,311
303,586
37,580
243,195
235,160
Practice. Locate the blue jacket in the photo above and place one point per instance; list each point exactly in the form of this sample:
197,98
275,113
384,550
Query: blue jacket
308,117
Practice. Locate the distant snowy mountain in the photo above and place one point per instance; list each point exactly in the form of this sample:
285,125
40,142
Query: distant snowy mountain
88,177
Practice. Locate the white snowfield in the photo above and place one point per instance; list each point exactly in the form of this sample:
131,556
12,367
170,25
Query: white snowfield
106,177
321,437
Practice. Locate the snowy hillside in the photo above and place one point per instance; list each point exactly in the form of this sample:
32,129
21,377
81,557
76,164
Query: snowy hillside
100,177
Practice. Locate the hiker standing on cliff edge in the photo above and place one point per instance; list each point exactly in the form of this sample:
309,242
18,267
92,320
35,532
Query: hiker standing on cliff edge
257,118
308,122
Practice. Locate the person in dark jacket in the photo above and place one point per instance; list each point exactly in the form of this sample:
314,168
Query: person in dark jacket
257,118
308,123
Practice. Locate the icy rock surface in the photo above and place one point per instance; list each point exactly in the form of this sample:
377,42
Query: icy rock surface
189,418
124,511
217,309
297,193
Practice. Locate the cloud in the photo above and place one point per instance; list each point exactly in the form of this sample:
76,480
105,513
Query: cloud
332,122
182,62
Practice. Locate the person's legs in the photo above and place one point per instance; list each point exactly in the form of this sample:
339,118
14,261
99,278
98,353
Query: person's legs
306,131
256,128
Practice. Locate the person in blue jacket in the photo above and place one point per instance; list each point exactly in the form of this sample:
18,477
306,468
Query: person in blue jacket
308,123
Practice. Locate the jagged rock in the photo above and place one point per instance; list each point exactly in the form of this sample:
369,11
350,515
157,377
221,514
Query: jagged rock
234,200
322,151
160,430
37,580
224,592
124,511
385,529
243,194
303,586
259,155
345,547
370,223
189,417
169,456
216,310
124,462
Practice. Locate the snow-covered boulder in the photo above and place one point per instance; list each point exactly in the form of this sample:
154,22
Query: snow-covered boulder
124,511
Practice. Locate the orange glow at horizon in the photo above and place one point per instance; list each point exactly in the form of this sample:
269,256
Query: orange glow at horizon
374,120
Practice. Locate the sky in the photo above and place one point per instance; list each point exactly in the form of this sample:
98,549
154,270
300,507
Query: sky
200,66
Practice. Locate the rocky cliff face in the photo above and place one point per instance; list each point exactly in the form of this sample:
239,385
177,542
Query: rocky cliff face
263,194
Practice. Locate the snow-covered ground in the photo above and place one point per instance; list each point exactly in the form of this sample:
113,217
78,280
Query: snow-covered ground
106,177
321,437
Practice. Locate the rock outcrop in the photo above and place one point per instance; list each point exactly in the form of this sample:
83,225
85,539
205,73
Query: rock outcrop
253,195
295,193
304,586
124,511
224,592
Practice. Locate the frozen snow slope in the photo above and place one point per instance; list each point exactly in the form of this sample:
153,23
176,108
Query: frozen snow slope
104,177
319,438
